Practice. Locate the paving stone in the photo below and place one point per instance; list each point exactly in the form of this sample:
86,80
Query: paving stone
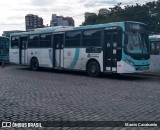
46,95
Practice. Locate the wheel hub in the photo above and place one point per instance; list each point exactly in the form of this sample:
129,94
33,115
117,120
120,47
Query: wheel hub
93,69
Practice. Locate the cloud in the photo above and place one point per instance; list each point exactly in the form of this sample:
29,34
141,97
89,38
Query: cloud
14,12
15,17
42,2
94,3
111,3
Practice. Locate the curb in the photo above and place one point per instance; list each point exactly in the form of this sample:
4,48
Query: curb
149,74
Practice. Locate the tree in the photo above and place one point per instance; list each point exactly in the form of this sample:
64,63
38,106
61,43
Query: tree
148,13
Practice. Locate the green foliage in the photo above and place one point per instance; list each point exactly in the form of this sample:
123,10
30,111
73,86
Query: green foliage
148,13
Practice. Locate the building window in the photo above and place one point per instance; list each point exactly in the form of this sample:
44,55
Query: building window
46,40
14,42
33,41
73,39
91,38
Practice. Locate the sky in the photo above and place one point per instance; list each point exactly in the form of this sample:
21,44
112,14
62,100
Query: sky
12,12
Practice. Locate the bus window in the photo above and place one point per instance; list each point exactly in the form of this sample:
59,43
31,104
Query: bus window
155,48
45,40
117,43
33,41
14,42
58,41
91,38
73,39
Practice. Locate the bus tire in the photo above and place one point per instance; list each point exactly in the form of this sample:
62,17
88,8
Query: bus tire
34,65
93,69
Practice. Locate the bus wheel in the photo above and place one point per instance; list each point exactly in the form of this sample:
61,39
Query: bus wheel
34,65
93,69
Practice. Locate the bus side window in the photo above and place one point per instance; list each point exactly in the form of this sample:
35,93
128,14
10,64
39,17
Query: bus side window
91,38
117,43
58,41
33,41
73,39
14,42
24,44
158,48
155,48
152,51
45,40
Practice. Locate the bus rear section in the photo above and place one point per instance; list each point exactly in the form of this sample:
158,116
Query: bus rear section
154,53
31,49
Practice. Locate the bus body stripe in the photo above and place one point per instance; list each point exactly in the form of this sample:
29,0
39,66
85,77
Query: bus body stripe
75,60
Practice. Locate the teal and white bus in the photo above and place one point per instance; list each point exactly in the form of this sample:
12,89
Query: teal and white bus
119,47
154,53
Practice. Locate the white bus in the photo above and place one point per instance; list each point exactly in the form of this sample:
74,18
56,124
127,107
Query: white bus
120,47
154,53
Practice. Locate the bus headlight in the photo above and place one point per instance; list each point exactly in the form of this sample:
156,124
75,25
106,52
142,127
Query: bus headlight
129,62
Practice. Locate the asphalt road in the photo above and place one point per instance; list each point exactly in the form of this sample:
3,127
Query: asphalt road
48,95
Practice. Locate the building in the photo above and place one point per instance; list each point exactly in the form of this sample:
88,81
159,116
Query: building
33,21
104,11
70,21
61,21
8,33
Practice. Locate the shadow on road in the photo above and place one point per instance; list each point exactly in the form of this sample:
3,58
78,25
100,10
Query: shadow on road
82,73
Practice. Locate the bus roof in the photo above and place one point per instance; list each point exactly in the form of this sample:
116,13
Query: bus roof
3,37
69,28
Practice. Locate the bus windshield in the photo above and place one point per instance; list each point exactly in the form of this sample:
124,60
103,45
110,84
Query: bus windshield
136,42
4,46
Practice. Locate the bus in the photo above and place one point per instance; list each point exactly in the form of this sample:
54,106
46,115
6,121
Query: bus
4,49
154,53
119,47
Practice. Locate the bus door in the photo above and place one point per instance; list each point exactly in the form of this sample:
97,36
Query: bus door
58,54
23,50
112,48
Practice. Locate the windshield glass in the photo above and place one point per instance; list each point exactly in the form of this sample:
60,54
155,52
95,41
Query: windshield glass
136,42
4,47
